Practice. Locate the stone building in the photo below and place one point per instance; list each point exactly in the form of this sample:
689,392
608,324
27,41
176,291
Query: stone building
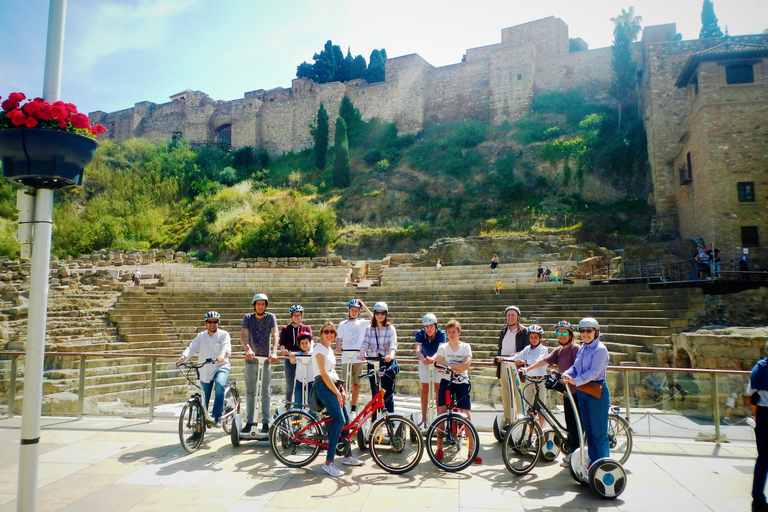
706,135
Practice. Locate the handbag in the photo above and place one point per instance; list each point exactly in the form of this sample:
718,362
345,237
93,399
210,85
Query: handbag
591,388
313,400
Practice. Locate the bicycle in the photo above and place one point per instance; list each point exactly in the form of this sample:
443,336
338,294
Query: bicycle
296,437
526,441
452,433
194,418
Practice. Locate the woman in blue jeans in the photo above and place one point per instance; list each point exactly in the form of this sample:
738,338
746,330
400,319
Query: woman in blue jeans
591,365
331,397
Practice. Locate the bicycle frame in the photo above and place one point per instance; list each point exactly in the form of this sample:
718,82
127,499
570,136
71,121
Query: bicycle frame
538,406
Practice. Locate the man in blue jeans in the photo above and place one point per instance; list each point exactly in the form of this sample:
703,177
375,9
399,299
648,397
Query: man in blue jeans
758,390
213,343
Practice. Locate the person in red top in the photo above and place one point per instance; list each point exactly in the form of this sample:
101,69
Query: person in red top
289,337
564,356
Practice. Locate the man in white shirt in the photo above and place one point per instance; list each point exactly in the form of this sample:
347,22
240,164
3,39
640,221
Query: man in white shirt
213,343
349,337
512,339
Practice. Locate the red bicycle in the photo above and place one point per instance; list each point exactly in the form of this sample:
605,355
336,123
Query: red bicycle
296,437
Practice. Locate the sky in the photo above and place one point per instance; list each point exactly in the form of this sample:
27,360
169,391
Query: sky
121,52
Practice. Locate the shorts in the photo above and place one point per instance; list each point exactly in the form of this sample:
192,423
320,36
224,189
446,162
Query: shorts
357,370
463,398
529,392
424,373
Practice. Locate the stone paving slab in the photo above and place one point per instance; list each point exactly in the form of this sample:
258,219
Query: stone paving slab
117,465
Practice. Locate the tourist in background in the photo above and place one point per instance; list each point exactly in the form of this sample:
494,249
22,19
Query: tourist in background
327,385
428,339
212,343
350,337
494,262
257,333
439,264
289,342
381,340
588,375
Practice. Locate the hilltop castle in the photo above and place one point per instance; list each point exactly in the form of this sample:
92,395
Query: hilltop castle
704,103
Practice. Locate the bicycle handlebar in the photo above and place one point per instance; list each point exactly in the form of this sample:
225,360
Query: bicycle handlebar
455,376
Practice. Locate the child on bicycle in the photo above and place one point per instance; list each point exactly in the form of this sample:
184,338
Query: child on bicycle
305,344
457,355
532,354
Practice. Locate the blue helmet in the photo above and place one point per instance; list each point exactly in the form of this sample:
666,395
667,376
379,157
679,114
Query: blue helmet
296,308
354,303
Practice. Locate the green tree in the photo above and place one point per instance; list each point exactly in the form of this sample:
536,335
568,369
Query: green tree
709,25
325,64
306,70
339,74
632,24
320,136
354,122
376,67
623,82
341,172
359,68
349,63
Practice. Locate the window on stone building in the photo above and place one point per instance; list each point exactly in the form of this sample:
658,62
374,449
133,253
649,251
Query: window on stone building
224,137
739,74
695,84
749,236
746,191
686,170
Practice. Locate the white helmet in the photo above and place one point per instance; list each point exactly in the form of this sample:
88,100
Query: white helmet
380,306
514,308
428,319
260,296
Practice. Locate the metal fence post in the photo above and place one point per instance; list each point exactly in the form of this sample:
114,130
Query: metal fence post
716,408
152,390
81,389
626,394
12,386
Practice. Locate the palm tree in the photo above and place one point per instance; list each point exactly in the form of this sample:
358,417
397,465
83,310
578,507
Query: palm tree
630,22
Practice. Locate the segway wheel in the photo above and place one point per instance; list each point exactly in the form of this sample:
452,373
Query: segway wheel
574,468
234,433
498,430
550,447
607,478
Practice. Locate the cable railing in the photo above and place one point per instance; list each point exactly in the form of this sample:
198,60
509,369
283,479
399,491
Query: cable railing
694,403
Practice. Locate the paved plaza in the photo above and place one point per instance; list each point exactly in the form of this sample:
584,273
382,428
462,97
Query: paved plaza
116,465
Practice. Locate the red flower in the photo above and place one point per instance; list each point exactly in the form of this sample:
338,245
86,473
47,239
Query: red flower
58,112
31,122
62,124
17,117
80,120
10,104
16,96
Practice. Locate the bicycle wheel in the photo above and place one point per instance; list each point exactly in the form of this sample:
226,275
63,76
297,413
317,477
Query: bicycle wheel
288,444
391,444
231,407
522,446
191,426
452,435
619,438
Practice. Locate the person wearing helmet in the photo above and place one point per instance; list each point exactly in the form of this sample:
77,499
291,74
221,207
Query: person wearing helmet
530,355
588,375
349,336
258,335
563,357
512,339
289,342
212,343
428,340
381,340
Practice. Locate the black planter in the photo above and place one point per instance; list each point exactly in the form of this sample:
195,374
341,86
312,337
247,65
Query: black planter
43,158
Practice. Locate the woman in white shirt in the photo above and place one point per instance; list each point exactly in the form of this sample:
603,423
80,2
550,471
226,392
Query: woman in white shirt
531,354
332,398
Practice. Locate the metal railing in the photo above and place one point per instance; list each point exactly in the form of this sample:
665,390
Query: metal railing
652,399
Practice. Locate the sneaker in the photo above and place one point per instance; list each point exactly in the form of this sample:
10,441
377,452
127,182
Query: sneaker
217,424
351,460
332,470
265,427
566,461
247,428
439,454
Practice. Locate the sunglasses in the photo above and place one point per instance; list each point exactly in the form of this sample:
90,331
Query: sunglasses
588,331
211,321
562,333
383,313
328,331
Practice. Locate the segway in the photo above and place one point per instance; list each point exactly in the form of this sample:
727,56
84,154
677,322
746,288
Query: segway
606,477
500,425
237,435
431,407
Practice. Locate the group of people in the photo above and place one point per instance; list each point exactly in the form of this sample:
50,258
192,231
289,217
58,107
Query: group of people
707,261
357,338
550,273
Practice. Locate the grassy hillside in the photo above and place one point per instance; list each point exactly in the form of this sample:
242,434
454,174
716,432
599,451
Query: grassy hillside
565,165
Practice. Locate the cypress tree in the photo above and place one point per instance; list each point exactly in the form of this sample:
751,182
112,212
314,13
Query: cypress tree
353,121
709,26
623,83
376,71
341,172
320,136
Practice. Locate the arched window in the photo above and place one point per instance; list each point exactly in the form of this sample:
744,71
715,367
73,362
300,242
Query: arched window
224,137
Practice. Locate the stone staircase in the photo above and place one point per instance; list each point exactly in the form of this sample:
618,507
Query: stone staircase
637,322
